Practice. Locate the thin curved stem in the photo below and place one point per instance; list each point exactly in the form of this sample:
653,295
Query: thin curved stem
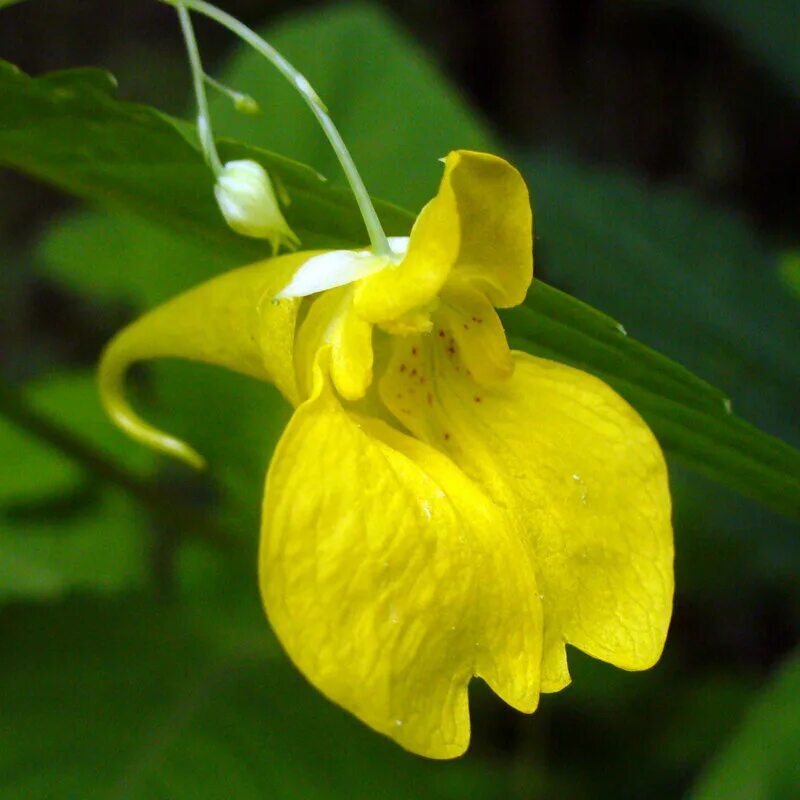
198,81
380,244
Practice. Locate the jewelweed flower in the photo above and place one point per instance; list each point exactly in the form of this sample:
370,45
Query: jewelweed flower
440,506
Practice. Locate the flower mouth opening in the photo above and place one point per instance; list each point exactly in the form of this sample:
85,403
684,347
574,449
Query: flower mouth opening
342,267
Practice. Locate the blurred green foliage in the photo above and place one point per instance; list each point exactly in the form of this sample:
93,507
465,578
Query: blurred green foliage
761,760
207,720
110,693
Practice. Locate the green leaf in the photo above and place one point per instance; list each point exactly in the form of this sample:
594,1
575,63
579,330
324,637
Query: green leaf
691,419
159,707
760,762
99,546
691,280
59,530
31,469
790,271
68,129
117,255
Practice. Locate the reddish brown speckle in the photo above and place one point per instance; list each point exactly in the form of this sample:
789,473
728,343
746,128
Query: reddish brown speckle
402,368
413,351
413,373
430,399
451,350
477,399
446,436
466,327
441,333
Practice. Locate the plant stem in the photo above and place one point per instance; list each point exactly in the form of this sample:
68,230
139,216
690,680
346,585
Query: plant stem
198,81
166,505
380,244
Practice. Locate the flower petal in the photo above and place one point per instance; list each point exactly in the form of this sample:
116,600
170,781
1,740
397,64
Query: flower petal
479,225
417,279
391,579
496,224
476,332
583,476
230,321
332,321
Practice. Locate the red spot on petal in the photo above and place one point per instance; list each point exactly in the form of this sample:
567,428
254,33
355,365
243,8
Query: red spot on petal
402,368
446,436
477,399
413,351
441,333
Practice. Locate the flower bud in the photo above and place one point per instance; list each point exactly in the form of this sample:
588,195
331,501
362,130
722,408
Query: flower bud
245,104
247,201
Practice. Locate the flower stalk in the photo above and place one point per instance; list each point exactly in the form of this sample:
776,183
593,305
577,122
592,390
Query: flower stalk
377,236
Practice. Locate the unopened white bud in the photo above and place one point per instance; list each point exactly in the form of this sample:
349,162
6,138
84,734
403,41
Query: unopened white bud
247,200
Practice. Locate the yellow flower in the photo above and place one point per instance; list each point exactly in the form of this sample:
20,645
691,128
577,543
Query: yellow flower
439,506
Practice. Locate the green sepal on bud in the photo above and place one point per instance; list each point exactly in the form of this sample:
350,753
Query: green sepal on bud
247,200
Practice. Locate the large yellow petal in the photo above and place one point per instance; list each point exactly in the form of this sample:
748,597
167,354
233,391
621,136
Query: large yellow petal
583,476
391,579
231,321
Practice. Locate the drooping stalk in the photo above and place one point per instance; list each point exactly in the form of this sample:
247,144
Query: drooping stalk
198,81
242,102
380,244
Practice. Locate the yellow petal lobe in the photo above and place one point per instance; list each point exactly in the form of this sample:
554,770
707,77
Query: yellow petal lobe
331,321
496,225
583,477
391,579
475,333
